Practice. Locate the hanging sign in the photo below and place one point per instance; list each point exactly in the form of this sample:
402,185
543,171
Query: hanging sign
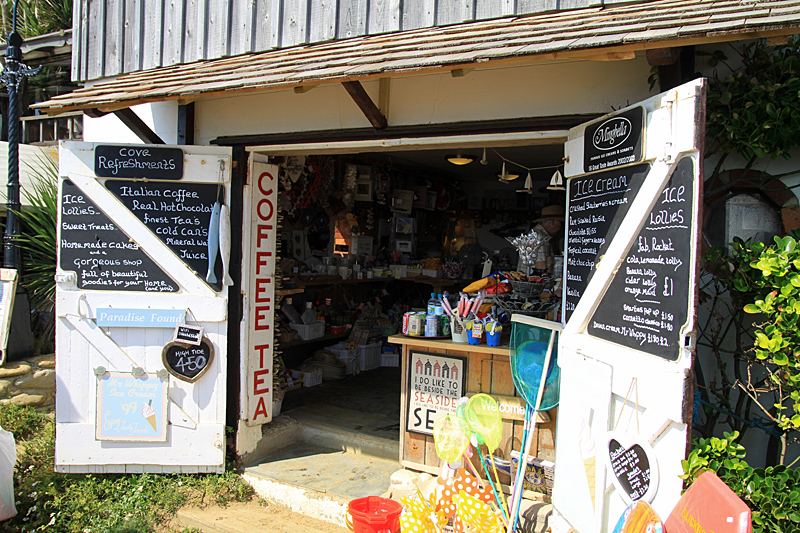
633,467
140,318
103,256
186,334
188,363
131,408
435,384
138,162
614,141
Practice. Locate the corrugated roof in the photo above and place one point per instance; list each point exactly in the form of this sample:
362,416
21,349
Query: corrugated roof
600,33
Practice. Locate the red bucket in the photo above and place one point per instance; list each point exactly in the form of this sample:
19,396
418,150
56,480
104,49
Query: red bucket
374,514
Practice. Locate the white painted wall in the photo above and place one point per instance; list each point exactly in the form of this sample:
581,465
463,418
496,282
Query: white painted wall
484,94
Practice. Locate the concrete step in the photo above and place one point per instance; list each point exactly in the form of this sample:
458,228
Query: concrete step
319,481
249,517
351,431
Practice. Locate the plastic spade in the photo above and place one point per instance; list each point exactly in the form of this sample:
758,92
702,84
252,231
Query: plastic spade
536,378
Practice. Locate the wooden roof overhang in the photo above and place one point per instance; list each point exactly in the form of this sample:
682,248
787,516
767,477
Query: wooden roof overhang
602,33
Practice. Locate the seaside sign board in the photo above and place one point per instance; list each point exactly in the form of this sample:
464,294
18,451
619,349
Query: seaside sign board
435,384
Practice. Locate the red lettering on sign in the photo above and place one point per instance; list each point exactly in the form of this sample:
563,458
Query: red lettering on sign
261,317
263,233
261,409
266,203
261,183
261,349
261,260
257,380
262,285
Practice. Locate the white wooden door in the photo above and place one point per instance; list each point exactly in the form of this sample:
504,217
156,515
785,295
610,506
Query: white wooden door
133,249
634,191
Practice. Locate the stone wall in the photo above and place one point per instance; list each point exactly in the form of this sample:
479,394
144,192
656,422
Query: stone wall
29,382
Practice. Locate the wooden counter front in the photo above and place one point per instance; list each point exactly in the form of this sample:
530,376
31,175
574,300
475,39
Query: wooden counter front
487,370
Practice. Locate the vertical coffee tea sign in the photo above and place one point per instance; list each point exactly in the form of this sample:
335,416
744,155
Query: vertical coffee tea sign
259,241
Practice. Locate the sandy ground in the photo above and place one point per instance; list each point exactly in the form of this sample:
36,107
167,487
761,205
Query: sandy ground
249,517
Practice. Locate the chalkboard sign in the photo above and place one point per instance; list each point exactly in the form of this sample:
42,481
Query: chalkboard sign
633,473
186,334
101,254
177,213
150,162
188,363
131,408
648,299
614,141
597,206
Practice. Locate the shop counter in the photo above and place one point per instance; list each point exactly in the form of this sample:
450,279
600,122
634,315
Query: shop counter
427,370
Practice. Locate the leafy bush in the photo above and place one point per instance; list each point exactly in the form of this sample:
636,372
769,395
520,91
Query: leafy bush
113,503
778,338
772,493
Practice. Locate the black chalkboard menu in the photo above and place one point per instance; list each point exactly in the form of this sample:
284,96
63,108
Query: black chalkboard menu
101,254
648,299
138,162
597,206
177,213
614,141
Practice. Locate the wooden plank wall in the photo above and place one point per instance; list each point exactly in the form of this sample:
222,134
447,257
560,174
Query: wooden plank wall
112,37
488,373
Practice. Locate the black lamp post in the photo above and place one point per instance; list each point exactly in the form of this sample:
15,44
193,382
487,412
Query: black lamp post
13,74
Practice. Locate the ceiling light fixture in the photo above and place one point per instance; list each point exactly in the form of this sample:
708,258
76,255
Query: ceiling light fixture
556,182
460,159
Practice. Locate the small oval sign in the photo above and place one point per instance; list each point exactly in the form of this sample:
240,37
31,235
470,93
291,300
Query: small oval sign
612,133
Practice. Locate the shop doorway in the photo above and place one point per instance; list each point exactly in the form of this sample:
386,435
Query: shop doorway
370,230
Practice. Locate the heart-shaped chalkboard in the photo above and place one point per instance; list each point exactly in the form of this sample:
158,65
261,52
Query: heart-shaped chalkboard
187,362
634,468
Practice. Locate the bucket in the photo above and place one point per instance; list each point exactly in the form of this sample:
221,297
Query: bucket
473,339
374,514
457,331
493,338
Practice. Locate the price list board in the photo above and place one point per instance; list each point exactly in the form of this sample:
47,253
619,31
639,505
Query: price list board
597,206
101,254
177,213
647,302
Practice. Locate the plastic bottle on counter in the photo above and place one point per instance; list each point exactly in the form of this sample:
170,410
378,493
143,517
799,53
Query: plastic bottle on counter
309,316
432,304
438,309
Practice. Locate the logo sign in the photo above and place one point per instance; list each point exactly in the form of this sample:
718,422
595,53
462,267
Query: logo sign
186,334
138,161
140,318
614,141
188,363
436,383
131,408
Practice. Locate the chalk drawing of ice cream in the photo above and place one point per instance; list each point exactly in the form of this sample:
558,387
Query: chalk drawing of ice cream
150,414
589,456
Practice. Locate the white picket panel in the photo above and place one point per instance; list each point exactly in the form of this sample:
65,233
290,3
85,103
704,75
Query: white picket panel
195,411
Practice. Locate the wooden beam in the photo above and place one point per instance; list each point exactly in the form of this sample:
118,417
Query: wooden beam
186,124
137,126
365,103
94,113
383,95
663,56
460,72
302,89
